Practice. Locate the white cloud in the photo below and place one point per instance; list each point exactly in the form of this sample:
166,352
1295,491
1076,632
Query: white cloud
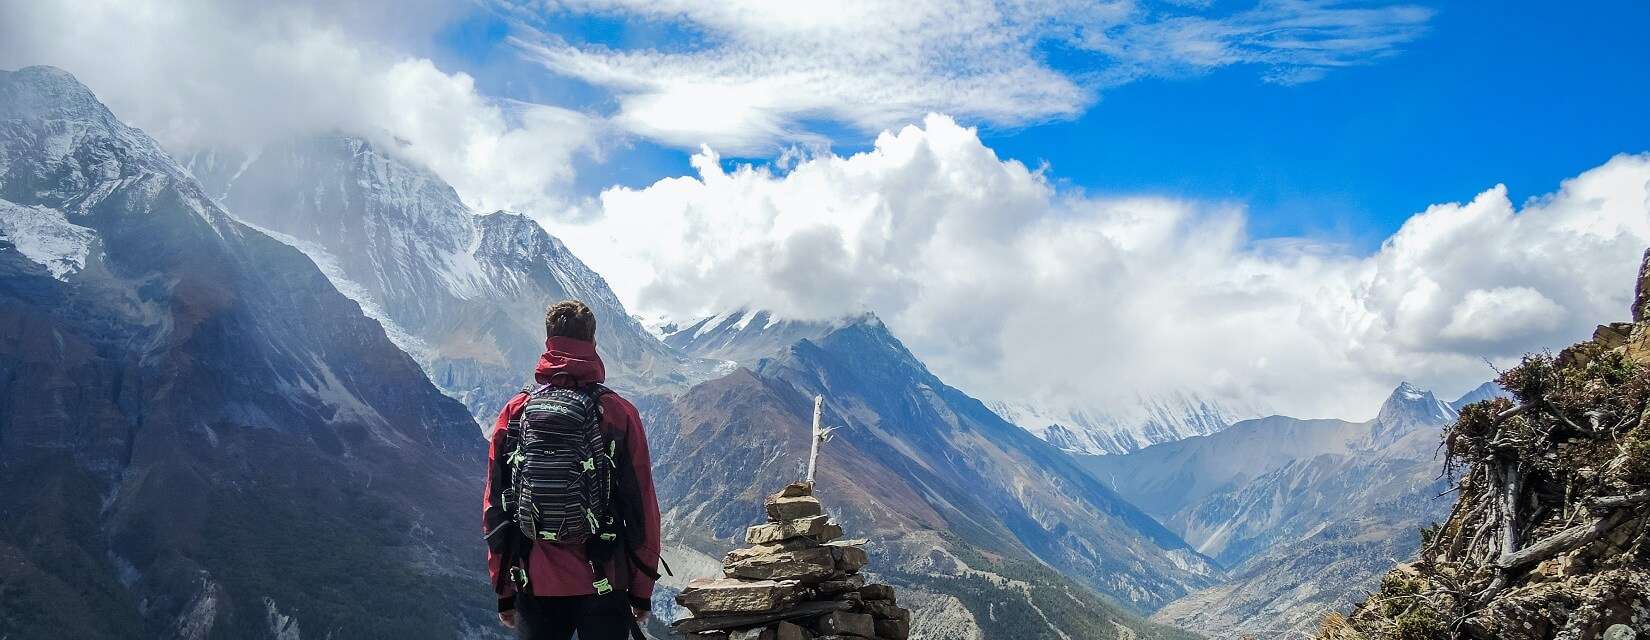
765,73
213,74
1010,287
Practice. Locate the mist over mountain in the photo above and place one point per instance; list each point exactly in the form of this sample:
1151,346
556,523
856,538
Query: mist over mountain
463,292
202,437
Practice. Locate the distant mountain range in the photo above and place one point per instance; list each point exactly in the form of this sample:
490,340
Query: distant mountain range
1129,426
1304,514
200,437
742,337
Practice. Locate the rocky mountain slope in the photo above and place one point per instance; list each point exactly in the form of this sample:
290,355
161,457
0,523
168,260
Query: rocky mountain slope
1548,534
463,292
746,336
969,511
201,436
1304,513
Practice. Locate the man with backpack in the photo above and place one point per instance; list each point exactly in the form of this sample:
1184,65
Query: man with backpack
571,521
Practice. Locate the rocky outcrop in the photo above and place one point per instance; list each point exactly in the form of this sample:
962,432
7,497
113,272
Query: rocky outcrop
795,581
1548,538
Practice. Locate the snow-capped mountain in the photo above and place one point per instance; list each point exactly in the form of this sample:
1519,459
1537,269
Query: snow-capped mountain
743,337
199,435
464,293
1131,426
1407,410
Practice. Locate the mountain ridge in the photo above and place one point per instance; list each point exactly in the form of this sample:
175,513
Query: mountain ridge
464,291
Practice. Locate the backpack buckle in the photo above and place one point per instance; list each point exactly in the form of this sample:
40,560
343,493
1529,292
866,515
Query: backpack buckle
603,587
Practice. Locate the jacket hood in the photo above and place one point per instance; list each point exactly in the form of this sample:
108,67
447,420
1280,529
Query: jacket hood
569,360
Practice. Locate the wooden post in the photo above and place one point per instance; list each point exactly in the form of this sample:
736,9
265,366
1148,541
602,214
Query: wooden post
817,437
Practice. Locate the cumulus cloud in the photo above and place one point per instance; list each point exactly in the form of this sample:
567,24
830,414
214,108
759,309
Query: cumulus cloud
764,71
202,75
1012,288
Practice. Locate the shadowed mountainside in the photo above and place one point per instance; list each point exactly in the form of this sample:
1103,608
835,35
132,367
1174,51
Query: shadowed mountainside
201,436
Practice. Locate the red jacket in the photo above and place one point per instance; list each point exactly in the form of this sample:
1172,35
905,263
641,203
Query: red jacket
559,570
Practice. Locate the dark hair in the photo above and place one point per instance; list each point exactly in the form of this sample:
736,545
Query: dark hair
570,318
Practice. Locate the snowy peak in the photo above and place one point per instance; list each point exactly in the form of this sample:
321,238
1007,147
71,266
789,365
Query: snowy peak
1411,404
49,93
746,336
1120,428
1409,409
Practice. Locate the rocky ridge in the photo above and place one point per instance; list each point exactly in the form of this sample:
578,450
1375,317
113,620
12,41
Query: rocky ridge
796,581
1548,538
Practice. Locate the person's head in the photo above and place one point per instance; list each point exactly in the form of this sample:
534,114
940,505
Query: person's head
570,318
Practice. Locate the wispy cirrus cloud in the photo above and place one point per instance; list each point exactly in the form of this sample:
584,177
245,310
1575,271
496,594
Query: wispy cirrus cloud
759,76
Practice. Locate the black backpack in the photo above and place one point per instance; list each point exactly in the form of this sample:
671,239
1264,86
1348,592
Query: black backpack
562,468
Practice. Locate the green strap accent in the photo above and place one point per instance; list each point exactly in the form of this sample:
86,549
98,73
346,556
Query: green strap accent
518,575
548,535
589,464
603,587
516,457
612,449
594,523
609,536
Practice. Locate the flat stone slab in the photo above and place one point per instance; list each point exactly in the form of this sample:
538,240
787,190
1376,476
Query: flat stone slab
767,549
726,596
847,624
849,559
877,592
816,528
706,624
795,489
788,631
830,588
782,508
805,565
886,610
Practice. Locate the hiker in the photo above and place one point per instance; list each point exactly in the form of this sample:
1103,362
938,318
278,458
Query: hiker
571,521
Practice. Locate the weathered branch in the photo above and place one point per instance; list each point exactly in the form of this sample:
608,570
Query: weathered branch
1460,540
1511,412
1508,495
1571,538
1615,502
1511,480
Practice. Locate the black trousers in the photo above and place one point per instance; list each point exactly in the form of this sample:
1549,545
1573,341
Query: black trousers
604,617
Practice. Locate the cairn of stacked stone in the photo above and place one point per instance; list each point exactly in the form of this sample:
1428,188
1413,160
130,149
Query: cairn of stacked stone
796,581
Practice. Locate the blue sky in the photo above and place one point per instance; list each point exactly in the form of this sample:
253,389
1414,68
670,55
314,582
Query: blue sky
1524,94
